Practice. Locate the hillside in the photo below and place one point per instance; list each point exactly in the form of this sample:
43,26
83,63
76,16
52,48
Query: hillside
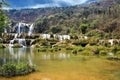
99,18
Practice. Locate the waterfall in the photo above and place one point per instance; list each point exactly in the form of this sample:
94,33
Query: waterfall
22,42
15,36
5,30
30,29
11,43
19,26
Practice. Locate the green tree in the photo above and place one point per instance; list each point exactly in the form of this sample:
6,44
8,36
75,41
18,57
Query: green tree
84,27
55,30
3,17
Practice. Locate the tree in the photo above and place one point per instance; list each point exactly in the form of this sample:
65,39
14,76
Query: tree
3,17
84,27
55,30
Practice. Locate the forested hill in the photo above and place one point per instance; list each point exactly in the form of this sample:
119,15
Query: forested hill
98,18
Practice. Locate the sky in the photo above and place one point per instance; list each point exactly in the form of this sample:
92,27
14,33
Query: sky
19,4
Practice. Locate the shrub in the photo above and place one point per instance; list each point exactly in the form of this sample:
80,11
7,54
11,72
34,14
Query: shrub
97,49
69,48
95,33
83,43
8,70
103,53
15,69
74,52
87,53
114,49
114,58
79,49
93,41
56,49
118,53
42,50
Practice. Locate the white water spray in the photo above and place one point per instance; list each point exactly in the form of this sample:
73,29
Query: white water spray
30,29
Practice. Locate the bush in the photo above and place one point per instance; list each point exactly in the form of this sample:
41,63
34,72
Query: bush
42,50
114,58
114,49
15,69
87,53
69,48
93,49
103,53
83,43
74,52
97,49
118,53
8,70
93,41
79,49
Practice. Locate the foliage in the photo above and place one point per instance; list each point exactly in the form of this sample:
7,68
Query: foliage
95,19
3,18
15,69
103,52
55,30
81,42
95,33
84,27
87,52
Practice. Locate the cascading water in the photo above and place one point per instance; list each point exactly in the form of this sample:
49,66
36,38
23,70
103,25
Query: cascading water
20,29
22,42
30,30
19,54
5,30
19,26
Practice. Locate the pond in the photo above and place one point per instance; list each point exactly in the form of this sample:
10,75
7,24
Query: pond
27,55
61,65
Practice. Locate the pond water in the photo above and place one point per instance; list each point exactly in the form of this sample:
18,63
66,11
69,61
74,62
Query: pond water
28,55
61,65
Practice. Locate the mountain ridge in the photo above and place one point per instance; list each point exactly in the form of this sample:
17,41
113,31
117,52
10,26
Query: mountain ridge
101,17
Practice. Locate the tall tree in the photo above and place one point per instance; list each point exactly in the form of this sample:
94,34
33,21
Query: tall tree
3,17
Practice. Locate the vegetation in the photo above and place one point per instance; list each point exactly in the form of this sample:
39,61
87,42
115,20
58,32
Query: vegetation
3,17
99,19
96,20
15,69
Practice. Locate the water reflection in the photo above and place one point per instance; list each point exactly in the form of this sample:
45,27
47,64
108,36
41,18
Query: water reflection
16,55
27,55
55,56
64,56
